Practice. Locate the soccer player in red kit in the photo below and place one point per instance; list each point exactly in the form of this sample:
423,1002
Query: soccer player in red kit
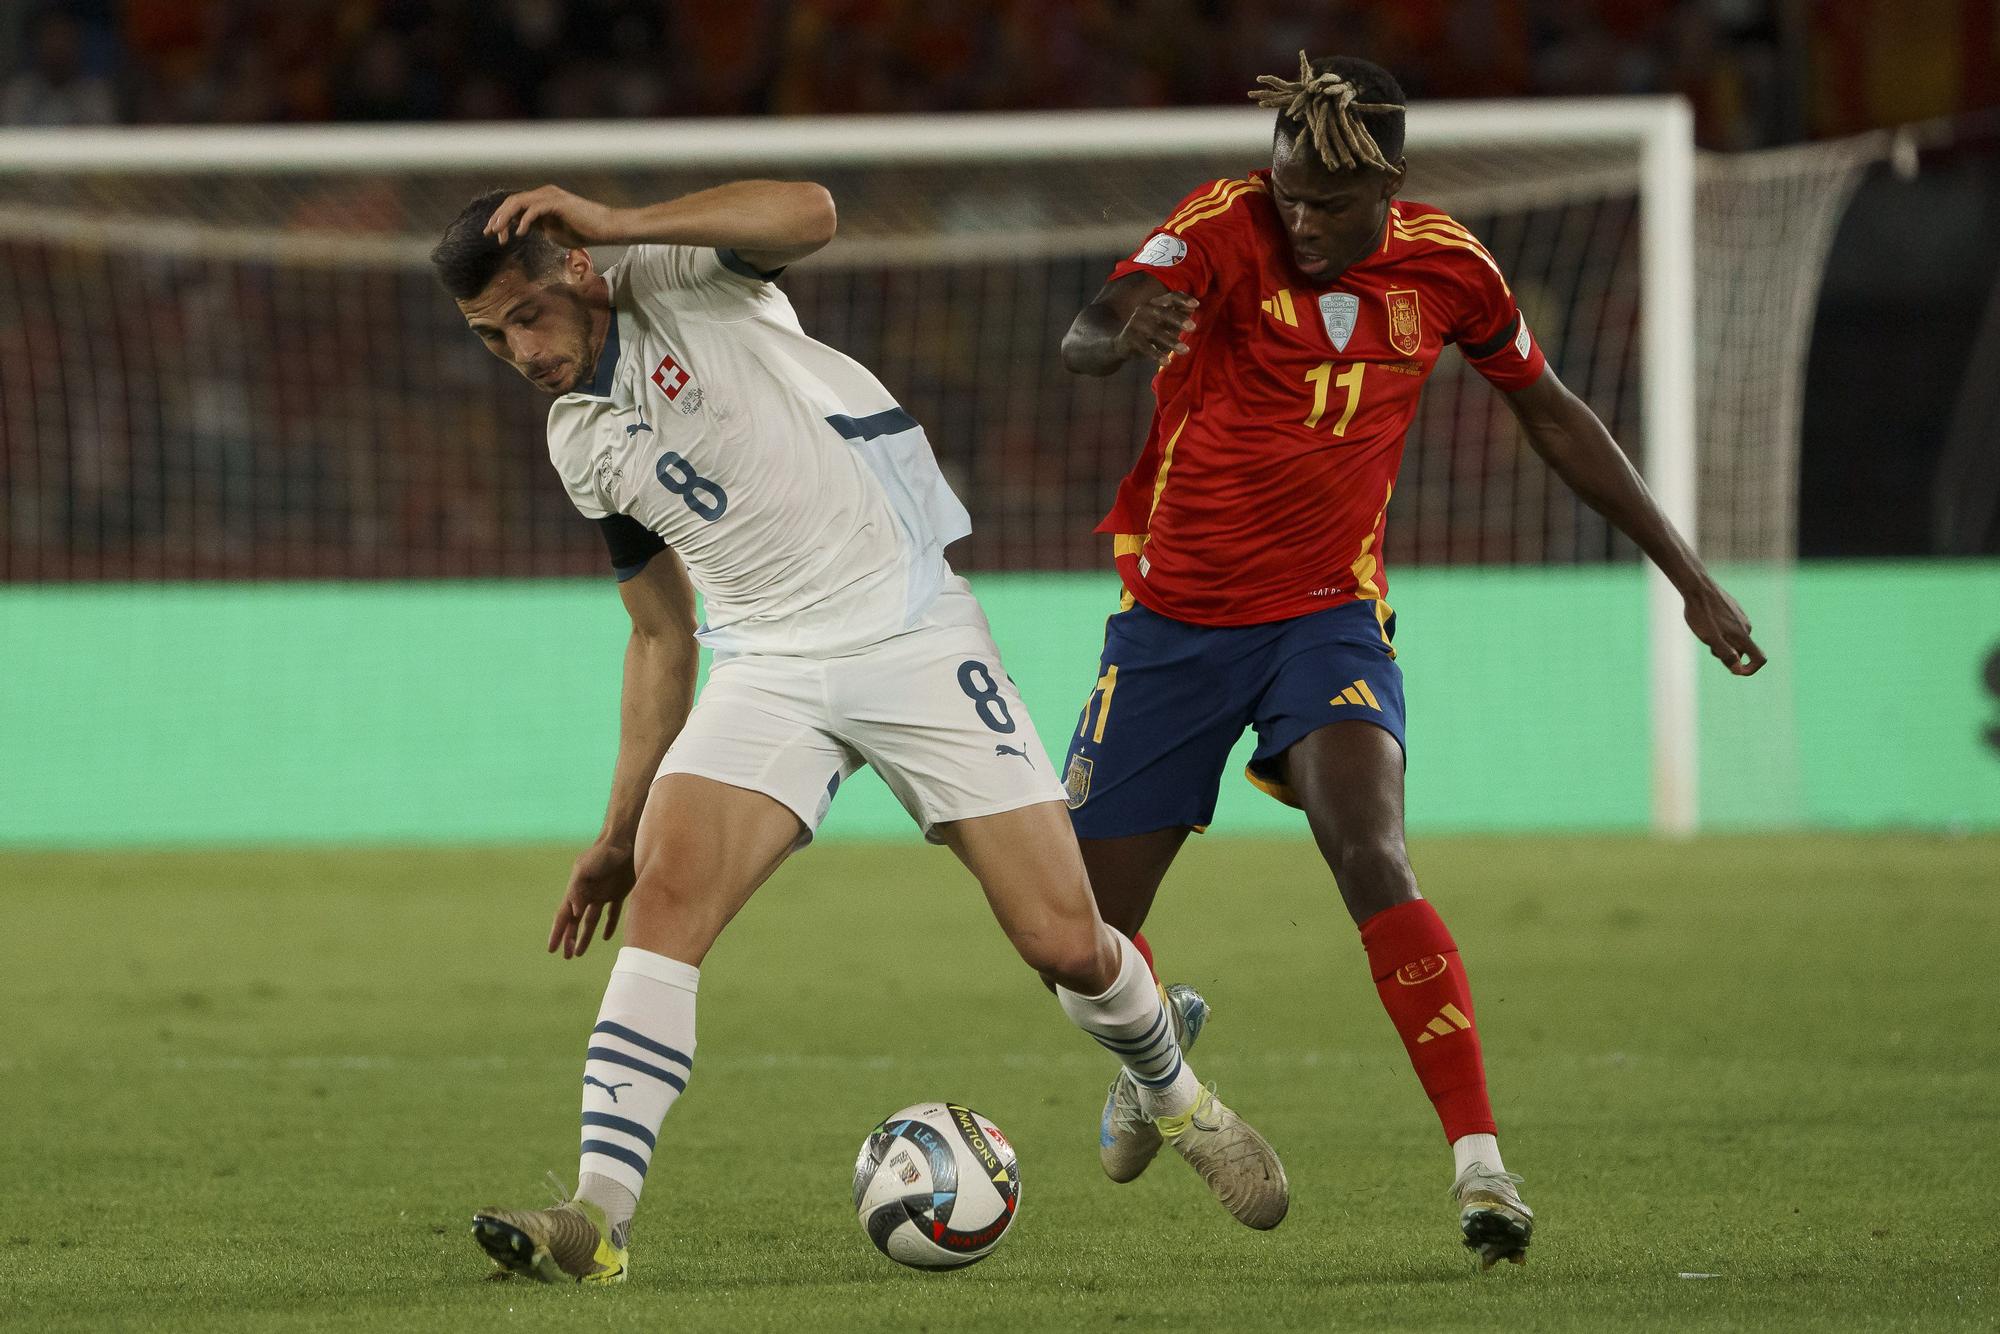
1295,315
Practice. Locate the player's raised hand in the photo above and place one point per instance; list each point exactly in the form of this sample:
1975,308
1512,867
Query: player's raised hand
1719,623
1158,327
599,881
568,220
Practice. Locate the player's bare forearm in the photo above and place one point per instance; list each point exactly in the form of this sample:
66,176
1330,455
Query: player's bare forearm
658,693
769,223
661,659
1091,345
1134,316
1575,444
660,662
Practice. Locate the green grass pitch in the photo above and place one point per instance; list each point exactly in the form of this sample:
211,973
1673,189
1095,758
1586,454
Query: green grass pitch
265,1090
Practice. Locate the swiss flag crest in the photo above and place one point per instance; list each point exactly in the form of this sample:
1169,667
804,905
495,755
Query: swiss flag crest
671,378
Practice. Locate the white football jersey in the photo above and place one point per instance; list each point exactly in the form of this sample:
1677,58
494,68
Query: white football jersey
806,505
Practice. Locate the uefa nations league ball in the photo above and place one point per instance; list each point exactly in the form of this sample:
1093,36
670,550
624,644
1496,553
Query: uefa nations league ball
936,1186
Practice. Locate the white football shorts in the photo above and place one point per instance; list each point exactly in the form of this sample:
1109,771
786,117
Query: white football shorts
931,709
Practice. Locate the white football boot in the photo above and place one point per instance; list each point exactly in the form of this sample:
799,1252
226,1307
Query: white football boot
1238,1164
1495,1223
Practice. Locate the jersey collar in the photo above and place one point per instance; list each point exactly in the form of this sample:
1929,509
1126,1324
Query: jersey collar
606,374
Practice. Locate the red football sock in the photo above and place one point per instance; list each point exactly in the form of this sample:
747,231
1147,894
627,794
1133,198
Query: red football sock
1423,987
1146,953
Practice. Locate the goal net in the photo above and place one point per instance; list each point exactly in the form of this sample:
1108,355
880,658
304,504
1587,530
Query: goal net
223,356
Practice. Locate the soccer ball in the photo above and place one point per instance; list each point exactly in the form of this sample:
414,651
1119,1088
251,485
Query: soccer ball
936,1186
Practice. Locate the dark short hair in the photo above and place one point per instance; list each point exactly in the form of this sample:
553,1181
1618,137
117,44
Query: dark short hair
466,258
1371,83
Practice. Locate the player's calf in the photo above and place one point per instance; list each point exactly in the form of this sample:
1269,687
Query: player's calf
1028,864
638,1063
1349,778
1421,980
1422,985
1372,872
1127,1139
1131,1020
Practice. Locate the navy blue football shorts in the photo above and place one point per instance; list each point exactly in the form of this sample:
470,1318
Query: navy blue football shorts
1172,699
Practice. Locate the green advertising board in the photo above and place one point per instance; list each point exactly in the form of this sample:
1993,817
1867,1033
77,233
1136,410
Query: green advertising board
483,712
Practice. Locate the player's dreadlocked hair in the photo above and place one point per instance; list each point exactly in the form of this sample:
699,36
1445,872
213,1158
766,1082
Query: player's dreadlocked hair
466,258
1351,110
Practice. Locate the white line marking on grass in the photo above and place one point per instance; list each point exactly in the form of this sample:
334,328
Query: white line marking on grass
1084,1058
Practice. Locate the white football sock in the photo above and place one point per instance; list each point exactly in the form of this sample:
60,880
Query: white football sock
1469,1149
640,1056
1130,1021
617,1203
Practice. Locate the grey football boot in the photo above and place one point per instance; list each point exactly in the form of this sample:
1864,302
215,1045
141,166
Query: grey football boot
565,1244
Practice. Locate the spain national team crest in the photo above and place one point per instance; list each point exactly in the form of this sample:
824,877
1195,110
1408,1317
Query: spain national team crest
1077,781
1340,310
1422,971
1406,324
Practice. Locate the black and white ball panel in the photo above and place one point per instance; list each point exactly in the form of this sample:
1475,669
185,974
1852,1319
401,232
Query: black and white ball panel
936,1186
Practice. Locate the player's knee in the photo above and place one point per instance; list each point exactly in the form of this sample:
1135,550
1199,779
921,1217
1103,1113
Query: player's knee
679,917
1372,870
661,885
1076,957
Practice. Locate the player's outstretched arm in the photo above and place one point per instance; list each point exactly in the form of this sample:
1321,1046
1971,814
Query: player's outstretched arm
768,223
1571,440
660,662
1136,315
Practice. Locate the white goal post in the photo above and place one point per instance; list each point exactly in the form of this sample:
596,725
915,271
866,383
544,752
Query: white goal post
1554,151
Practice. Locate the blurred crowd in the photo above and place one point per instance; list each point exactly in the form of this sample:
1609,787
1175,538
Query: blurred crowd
193,417
196,416
1759,71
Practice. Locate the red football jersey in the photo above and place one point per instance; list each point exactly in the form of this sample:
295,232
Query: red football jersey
1265,481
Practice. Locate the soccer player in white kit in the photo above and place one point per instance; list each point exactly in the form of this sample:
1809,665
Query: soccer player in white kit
721,448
